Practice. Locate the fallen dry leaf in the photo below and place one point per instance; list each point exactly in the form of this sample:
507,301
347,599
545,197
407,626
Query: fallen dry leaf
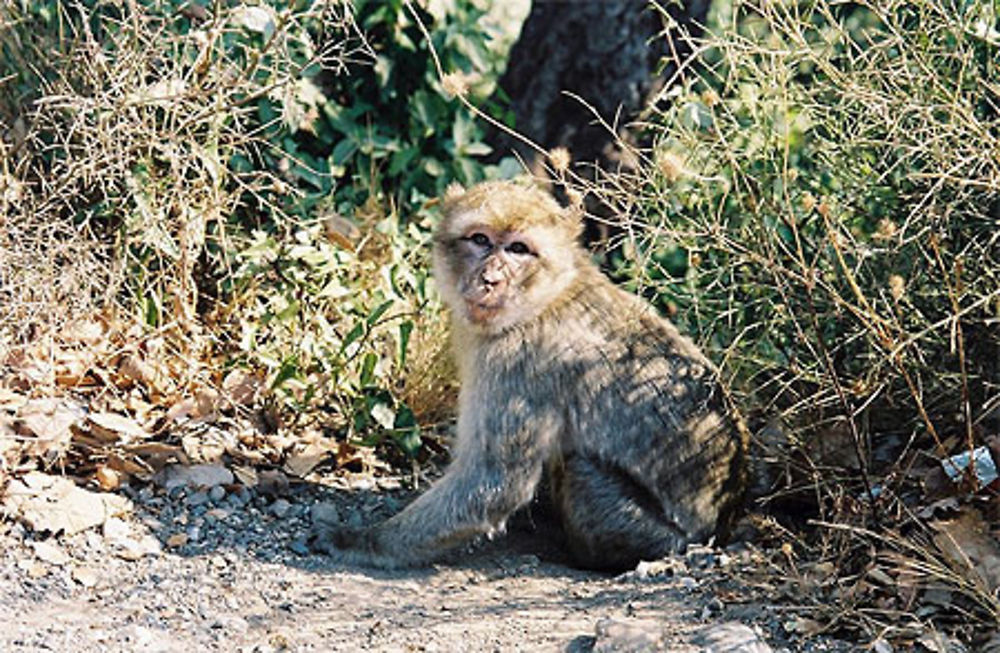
85,576
207,403
206,445
71,367
155,378
180,409
241,388
10,400
107,478
302,462
156,454
969,546
112,427
342,231
10,447
86,331
49,422
246,475
33,568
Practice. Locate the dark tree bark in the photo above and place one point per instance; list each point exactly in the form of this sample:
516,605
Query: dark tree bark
608,52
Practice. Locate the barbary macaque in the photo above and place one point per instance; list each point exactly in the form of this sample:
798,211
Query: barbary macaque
561,373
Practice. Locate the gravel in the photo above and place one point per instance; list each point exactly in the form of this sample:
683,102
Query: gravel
228,568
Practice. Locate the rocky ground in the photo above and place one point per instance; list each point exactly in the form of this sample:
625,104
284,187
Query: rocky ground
219,566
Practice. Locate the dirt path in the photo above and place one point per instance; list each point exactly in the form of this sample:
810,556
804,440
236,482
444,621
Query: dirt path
192,571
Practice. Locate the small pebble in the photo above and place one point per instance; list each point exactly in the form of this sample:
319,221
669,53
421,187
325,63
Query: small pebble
217,494
731,637
299,546
713,608
196,499
324,513
280,508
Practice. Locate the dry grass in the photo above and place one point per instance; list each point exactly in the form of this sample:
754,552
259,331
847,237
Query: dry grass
145,179
116,168
818,206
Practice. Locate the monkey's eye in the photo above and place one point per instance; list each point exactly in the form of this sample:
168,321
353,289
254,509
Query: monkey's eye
479,239
517,247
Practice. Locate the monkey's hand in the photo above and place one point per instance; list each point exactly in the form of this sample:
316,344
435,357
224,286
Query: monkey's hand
331,538
351,546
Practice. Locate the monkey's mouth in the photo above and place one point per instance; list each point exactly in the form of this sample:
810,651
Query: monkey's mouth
482,312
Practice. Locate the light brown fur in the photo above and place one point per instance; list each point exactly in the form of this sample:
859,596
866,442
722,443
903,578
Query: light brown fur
562,372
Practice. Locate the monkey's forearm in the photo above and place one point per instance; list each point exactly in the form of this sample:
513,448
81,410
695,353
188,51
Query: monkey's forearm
457,509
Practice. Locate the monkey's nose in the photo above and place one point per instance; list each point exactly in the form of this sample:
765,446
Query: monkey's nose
491,278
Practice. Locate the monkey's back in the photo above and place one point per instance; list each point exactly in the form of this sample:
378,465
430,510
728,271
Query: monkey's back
642,400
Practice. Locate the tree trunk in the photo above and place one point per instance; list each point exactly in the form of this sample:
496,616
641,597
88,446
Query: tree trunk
607,52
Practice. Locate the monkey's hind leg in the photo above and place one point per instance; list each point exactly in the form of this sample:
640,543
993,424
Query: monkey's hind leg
611,522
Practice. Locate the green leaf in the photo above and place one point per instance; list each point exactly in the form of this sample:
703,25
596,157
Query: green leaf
383,69
433,167
289,312
425,110
152,312
383,415
477,149
468,171
289,369
378,312
341,118
401,160
405,329
343,151
352,336
463,131
367,377
407,433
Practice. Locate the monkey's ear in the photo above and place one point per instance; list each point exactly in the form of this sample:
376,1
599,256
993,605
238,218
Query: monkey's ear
574,211
452,193
574,203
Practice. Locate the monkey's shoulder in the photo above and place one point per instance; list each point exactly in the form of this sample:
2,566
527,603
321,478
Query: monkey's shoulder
631,326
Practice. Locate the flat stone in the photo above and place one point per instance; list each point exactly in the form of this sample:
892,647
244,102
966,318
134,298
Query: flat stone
731,637
55,504
195,476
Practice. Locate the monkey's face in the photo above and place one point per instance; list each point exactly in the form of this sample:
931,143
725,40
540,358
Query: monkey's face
498,269
504,261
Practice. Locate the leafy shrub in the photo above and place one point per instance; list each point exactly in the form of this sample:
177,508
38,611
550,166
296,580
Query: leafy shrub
391,128
249,181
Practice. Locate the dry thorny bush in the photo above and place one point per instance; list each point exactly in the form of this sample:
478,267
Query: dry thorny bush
117,151
819,207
